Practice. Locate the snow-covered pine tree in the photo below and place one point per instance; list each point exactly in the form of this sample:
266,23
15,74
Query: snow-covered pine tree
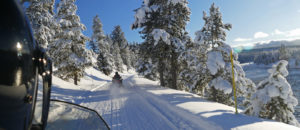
69,52
118,63
126,57
274,98
104,60
109,42
194,74
180,15
168,18
204,60
134,50
118,38
100,47
186,74
283,53
266,57
145,66
218,62
41,16
110,51
147,17
214,29
98,35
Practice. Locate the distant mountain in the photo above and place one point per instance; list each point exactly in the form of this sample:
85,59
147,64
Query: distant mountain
277,44
271,44
265,51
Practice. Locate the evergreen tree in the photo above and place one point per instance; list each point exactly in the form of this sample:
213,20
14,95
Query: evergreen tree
215,63
98,35
211,34
145,66
126,56
214,29
118,63
41,17
99,45
274,98
266,58
118,38
163,24
283,53
147,69
69,52
134,50
194,74
105,61
110,51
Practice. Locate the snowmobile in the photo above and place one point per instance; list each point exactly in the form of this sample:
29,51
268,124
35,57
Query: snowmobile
117,81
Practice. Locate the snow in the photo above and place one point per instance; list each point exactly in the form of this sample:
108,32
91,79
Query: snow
182,2
160,34
215,62
273,91
199,39
282,70
142,104
140,16
146,2
222,84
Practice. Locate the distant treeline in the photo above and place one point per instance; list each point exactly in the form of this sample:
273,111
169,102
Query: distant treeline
271,54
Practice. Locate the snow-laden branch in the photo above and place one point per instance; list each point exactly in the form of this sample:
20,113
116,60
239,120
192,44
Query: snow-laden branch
161,34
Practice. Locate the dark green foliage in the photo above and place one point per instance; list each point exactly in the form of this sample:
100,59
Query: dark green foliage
219,96
169,17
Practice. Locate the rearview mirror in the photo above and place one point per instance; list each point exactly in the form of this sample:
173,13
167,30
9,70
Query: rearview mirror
64,115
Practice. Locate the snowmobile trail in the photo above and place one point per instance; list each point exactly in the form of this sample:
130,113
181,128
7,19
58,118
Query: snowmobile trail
142,104
132,107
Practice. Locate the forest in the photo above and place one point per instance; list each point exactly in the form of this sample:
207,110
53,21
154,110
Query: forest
167,54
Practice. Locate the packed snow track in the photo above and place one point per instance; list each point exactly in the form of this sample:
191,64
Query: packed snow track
131,107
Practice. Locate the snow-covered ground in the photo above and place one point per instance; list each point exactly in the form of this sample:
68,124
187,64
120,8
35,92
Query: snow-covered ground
142,104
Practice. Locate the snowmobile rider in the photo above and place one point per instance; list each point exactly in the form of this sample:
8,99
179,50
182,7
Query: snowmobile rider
21,62
117,76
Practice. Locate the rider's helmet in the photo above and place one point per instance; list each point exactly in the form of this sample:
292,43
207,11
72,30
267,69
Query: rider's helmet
18,67
116,73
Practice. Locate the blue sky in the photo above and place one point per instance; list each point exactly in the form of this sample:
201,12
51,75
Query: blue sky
252,20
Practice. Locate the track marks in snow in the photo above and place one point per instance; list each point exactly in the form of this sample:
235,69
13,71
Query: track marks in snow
179,117
133,108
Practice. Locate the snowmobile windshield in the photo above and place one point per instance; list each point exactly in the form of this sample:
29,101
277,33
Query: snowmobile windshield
70,116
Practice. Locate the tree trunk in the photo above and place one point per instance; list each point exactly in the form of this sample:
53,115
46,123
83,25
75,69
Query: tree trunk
161,72
174,70
75,78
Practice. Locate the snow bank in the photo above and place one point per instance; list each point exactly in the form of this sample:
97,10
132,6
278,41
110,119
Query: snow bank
67,91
